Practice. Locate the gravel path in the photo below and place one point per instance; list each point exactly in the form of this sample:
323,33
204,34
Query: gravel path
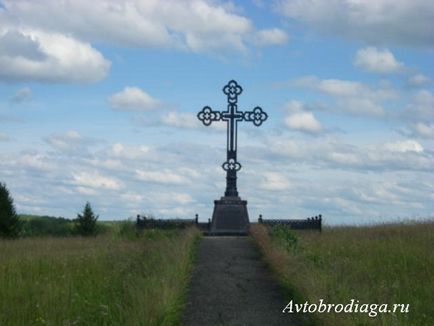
231,285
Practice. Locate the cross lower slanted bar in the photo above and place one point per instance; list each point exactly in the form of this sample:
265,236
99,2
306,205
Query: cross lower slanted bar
232,116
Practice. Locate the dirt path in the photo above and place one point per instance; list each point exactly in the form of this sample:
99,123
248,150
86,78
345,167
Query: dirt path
231,285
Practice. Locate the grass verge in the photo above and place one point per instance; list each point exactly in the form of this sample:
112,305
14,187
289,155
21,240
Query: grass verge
375,265
105,280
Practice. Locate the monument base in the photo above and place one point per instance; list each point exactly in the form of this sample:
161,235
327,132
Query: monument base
230,217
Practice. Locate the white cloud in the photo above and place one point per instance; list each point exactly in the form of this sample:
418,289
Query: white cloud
345,158
293,106
377,60
362,106
272,36
424,130
298,118
164,176
316,175
351,96
133,99
188,120
418,80
95,180
400,155
338,87
181,120
194,25
218,125
34,55
407,155
404,146
421,106
275,181
3,137
86,191
22,95
121,151
35,161
169,198
285,147
303,121
343,88
68,142
132,197
181,198
380,22
174,212
106,163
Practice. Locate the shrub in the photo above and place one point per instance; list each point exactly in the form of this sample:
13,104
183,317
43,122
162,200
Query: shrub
85,224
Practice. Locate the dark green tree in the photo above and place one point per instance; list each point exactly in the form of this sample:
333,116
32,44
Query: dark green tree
9,221
85,224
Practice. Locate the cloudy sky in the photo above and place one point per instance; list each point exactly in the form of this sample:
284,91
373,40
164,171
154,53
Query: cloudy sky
98,102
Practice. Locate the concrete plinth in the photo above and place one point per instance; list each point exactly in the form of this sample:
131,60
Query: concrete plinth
230,216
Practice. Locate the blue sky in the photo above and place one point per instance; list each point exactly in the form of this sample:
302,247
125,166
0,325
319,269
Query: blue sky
98,103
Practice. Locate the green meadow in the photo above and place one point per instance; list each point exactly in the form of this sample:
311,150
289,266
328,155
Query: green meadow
123,277
392,264
117,278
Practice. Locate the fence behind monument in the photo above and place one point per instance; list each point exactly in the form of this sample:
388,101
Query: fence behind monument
310,223
144,222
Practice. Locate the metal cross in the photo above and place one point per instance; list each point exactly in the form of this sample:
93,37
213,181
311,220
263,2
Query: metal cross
232,116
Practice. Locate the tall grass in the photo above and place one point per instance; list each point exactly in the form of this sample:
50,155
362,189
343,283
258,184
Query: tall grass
105,280
377,264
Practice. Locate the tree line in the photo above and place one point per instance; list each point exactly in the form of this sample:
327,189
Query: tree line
13,225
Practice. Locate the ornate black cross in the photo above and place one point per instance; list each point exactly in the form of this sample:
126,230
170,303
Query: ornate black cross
232,116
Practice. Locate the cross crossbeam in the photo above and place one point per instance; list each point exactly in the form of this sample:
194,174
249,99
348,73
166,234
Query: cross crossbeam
232,116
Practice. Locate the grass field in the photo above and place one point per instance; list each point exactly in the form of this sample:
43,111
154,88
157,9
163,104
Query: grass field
377,264
114,279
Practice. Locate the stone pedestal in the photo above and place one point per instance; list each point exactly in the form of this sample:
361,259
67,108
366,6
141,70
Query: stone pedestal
230,216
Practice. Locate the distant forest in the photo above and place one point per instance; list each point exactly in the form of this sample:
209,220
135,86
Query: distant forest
36,226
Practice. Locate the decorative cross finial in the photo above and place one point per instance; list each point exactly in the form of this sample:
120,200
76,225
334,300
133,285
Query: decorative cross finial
232,116
232,90
207,116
